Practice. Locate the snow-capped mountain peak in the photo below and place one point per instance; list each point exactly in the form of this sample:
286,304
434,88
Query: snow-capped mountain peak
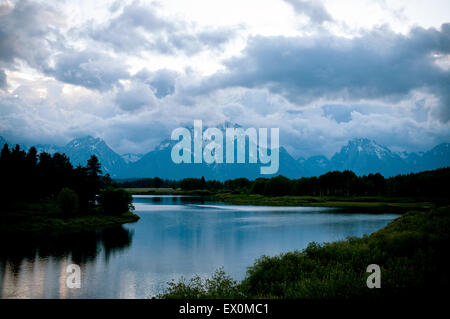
369,147
131,157
363,156
79,150
87,141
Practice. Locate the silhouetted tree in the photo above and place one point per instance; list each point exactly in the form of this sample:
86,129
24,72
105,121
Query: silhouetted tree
94,171
68,201
157,182
94,168
115,201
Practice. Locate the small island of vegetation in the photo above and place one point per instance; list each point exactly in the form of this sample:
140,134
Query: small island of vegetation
43,194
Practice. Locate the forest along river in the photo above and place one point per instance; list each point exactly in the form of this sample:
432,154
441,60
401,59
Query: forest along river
176,236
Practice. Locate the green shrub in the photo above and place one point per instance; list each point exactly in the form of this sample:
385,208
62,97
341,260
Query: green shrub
115,201
68,201
219,286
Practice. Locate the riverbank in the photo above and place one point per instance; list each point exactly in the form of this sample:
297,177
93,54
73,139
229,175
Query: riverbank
411,251
369,204
45,218
167,191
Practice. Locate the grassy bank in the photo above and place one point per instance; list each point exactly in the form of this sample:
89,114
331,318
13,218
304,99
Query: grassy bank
369,204
168,191
45,217
412,252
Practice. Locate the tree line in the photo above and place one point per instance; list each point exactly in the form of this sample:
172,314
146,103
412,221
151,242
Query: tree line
29,177
336,183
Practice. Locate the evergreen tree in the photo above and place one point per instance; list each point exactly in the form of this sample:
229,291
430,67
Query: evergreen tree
5,152
94,171
94,167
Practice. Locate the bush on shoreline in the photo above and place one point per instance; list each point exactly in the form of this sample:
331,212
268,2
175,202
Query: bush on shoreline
115,201
220,285
68,201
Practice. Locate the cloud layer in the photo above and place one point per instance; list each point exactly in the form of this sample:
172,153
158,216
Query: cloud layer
378,65
137,72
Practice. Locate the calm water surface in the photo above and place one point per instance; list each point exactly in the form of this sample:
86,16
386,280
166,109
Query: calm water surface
176,236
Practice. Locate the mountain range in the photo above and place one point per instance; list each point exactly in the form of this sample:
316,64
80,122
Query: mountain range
361,155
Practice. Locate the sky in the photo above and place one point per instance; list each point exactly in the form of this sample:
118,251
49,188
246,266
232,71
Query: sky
130,72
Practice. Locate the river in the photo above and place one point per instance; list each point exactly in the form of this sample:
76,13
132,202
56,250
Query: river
176,236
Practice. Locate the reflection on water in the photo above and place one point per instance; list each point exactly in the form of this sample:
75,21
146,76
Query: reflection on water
176,236
36,267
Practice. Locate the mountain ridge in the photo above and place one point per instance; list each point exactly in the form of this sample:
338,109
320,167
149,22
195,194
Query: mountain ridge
360,155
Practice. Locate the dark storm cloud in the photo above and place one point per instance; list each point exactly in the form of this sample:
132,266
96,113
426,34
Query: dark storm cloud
29,33
139,27
146,88
315,10
127,31
377,65
163,81
342,113
25,31
192,43
89,69
135,97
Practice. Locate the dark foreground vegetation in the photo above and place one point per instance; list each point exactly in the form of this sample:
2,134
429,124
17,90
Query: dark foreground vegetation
412,252
45,193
